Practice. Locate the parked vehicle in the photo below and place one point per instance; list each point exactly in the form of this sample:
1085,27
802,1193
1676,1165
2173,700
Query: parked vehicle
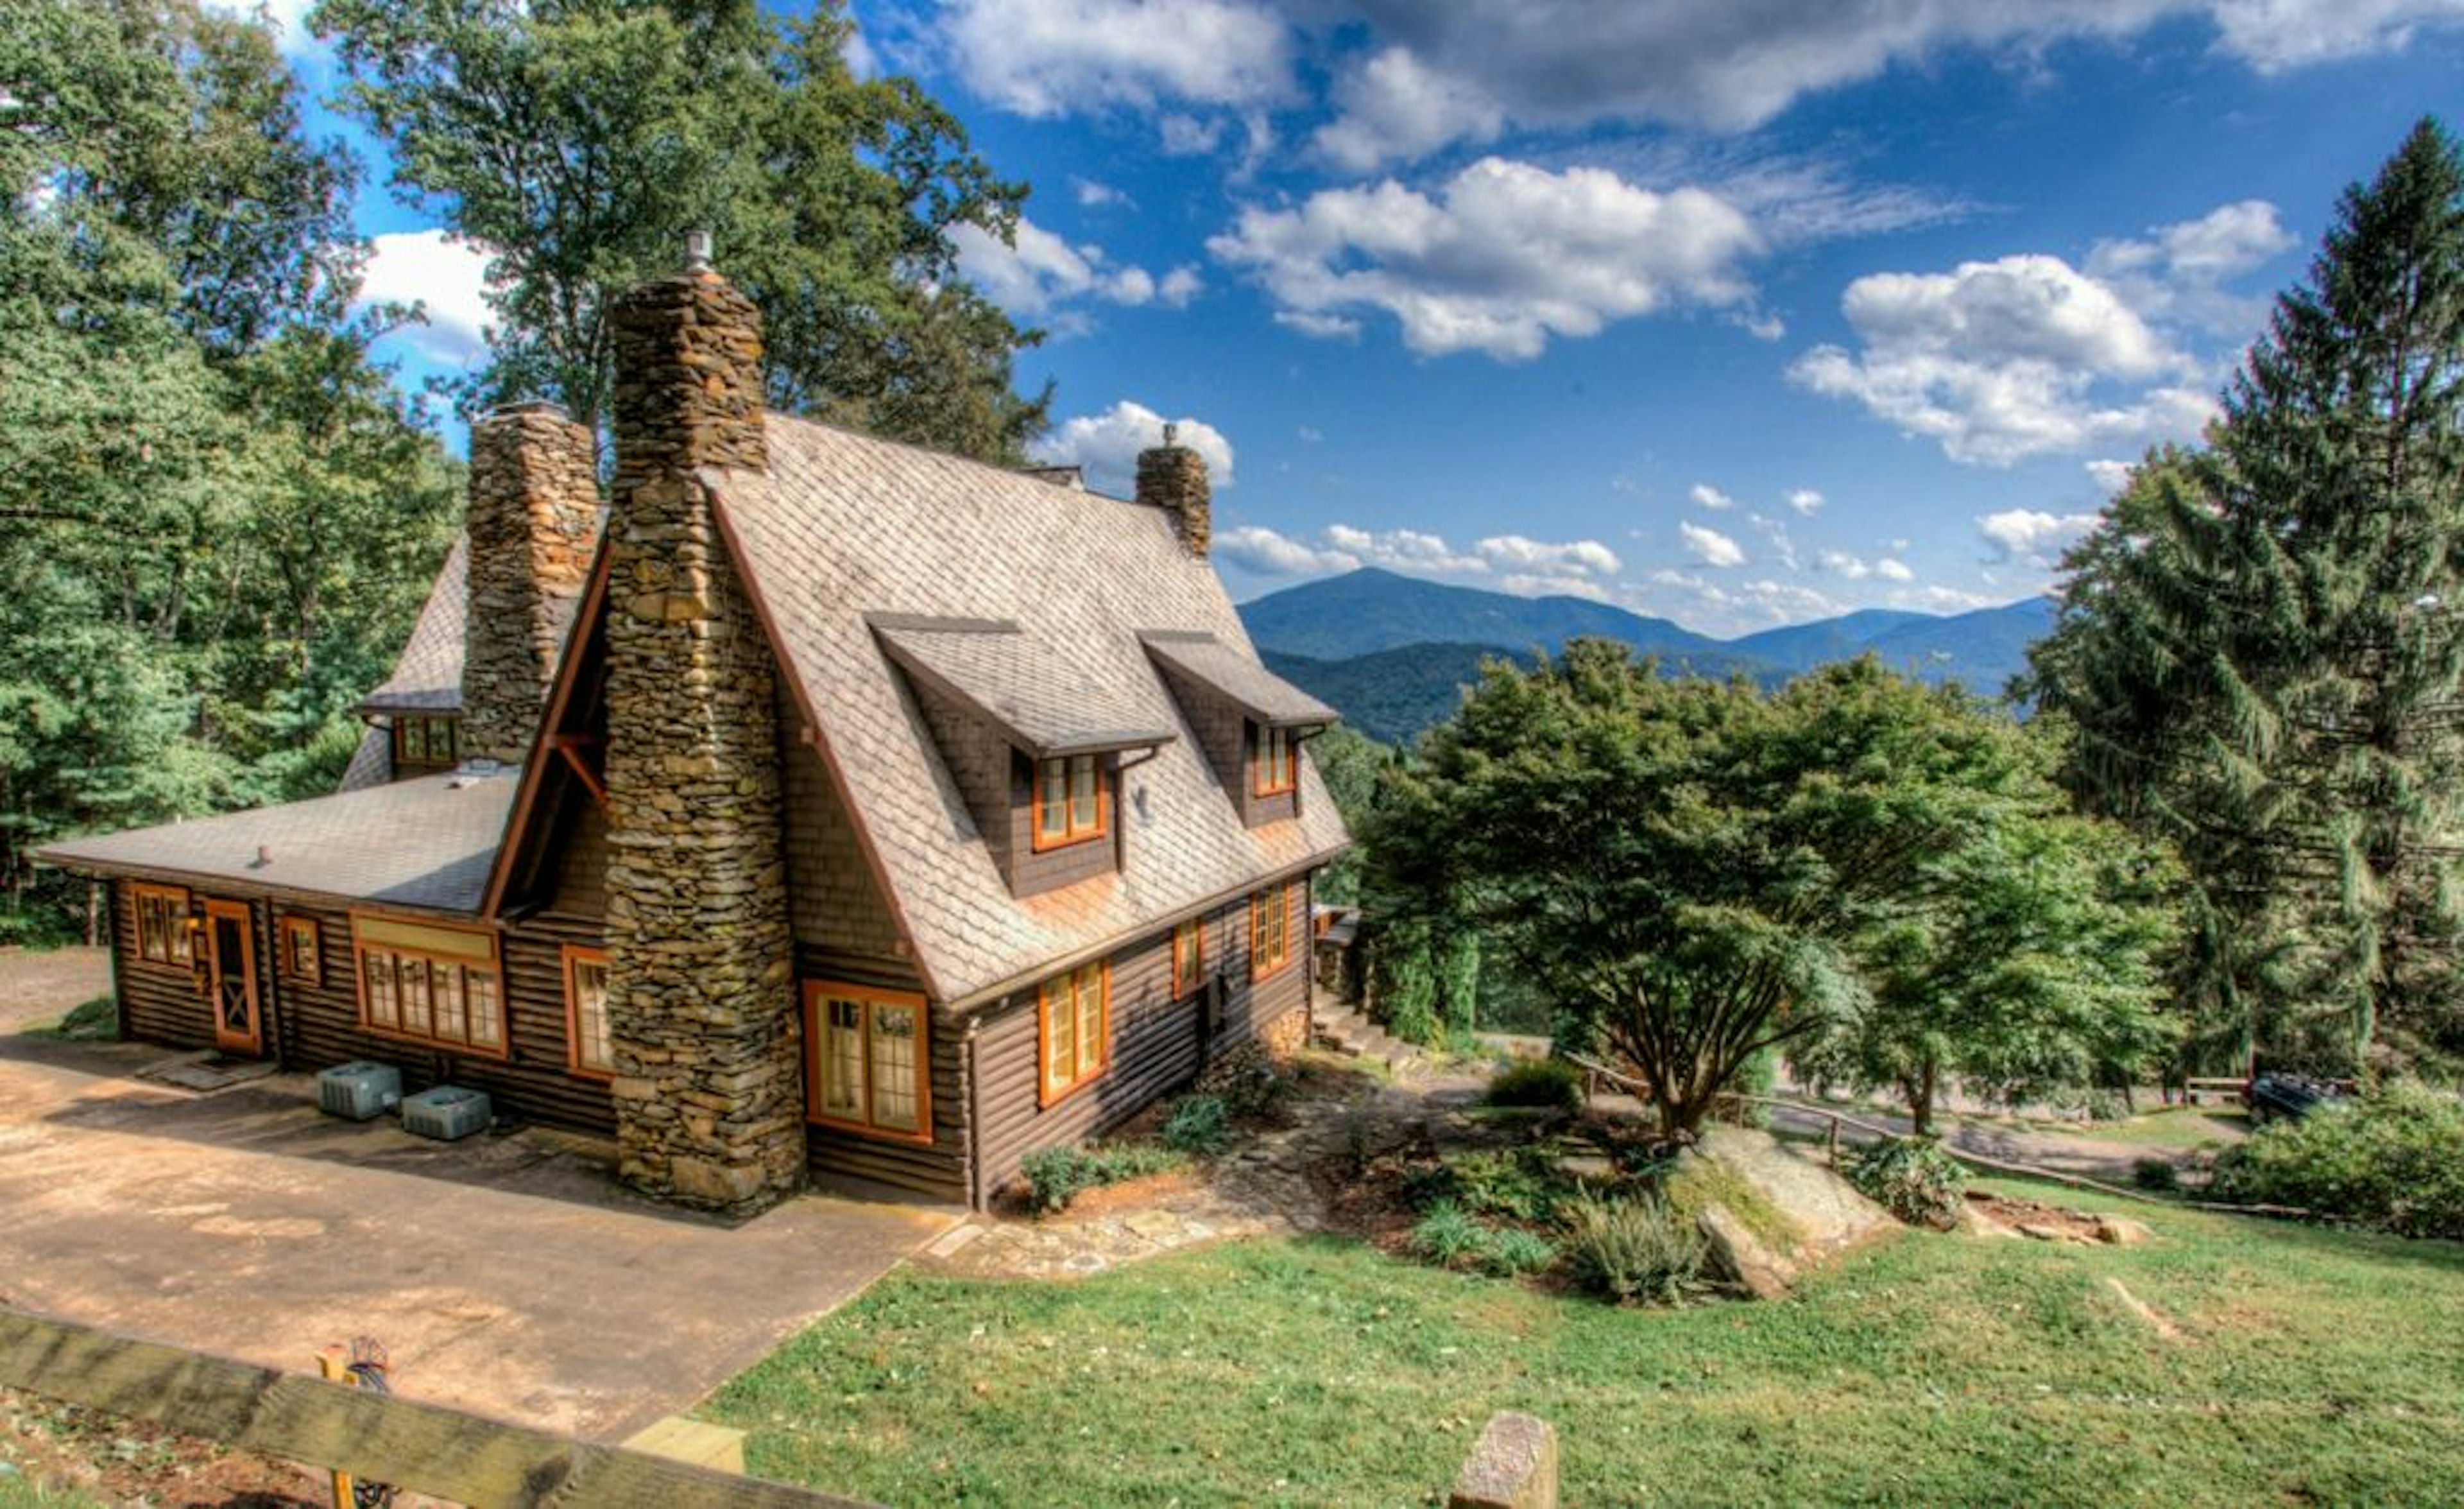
2289,1097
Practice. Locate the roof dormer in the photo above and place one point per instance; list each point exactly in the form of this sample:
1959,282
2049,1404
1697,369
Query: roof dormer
1250,721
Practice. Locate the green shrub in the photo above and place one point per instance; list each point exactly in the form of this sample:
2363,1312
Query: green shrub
2156,1175
95,1021
1055,1176
1632,1251
1546,1083
1519,1184
2394,1160
1201,1125
1449,1237
1912,1178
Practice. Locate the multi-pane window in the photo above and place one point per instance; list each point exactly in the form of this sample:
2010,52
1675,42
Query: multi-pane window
1270,929
590,1046
302,951
425,743
1276,767
1188,957
867,1068
1070,803
438,984
1073,1028
162,934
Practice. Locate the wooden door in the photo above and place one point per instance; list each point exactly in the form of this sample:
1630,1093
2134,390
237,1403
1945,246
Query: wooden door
230,973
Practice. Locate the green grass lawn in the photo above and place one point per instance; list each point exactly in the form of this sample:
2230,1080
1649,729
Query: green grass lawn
2181,1128
2313,1365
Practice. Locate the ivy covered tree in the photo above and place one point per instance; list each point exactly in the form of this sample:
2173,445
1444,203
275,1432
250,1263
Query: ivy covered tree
1688,867
2262,648
576,141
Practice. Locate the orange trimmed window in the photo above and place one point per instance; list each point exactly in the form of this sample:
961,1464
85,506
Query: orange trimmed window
162,935
1188,957
1070,803
302,951
589,1043
1073,1029
1274,767
433,985
425,743
866,1064
1270,929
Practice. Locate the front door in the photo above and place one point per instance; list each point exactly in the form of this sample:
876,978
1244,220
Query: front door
230,971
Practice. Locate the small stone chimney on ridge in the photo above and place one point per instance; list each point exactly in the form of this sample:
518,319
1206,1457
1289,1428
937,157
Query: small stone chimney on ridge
702,1001
1173,477
532,523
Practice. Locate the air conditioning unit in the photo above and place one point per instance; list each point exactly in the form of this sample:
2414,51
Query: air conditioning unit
447,1113
359,1092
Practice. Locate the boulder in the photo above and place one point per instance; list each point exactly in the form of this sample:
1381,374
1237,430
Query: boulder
2122,1232
1769,1214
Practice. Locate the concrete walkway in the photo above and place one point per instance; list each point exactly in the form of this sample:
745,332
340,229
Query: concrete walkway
508,1275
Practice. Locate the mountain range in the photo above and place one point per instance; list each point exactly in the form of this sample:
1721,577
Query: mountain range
1392,651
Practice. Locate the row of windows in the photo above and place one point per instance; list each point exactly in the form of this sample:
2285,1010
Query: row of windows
1074,801
867,1065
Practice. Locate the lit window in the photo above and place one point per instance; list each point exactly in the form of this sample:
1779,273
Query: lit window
162,934
1270,929
590,1045
1076,1036
866,1064
438,984
1276,767
1070,803
303,952
1188,957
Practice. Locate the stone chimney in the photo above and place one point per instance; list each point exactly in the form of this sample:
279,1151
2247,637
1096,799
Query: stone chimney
701,982
533,518
1173,477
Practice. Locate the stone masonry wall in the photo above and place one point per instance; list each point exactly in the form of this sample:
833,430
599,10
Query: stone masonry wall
709,1087
532,519
1173,477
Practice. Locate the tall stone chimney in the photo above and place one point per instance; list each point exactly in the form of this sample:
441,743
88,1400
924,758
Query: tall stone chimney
701,981
532,519
1173,477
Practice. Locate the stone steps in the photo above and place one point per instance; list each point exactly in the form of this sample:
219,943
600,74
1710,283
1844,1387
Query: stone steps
1348,1031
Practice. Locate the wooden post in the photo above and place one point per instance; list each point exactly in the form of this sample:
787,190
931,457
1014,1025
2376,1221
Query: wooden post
1834,1143
334,1365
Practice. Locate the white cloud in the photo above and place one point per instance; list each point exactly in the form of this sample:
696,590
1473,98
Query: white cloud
1944,600
1710,547
446,278
1733,67
1107,444
1392,106
2179,271
1403,550
1504,257
2110,477
1775,534
1095,195
1727,607
289,19
2000,361
1575,557
1049,57
1705,496
1257,548
1891,570
1839,562
1806,501
1038,273
2033,537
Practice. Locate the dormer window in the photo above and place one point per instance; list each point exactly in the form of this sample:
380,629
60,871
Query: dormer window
425,742
1072,805
1274,765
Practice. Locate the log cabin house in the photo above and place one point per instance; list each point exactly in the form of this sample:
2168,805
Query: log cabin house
823,808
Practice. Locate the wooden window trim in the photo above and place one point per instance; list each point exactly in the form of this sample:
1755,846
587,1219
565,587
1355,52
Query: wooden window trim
579,954
140,892
1258,969
292,925
817,992
1047,1094
428,723
1073,836
1188,974
1266,780
502,1050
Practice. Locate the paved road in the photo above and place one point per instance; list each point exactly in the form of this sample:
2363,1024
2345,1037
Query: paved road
506,1275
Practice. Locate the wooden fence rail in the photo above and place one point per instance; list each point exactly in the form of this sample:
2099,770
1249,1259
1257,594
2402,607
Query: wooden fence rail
376,1437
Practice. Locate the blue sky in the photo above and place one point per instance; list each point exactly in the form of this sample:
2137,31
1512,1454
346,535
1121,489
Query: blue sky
1738,314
